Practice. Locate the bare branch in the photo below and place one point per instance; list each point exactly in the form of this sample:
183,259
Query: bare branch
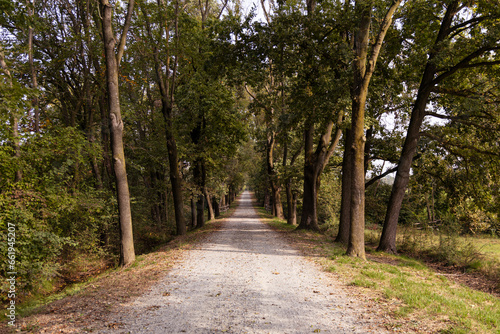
126,26
222,9
386,23
335,137
465,63
381,176
266,14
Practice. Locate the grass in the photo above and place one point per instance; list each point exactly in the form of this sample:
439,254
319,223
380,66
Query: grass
480,254
417,298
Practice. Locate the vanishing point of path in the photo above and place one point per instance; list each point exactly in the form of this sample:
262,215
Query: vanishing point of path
245,278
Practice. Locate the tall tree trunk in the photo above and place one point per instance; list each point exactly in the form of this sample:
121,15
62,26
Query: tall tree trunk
200,210
356,244
193,212
291,201
314,164
388,237
216,206
211,213
127,256
363,71
345,204
174,172
277,207
165,197
276,201
167,88
309,219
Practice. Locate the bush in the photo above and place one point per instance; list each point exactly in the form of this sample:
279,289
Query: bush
36,246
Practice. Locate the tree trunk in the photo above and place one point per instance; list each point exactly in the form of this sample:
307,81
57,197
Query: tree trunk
193,213
175,175
345,207
200,210
356,245
314,164
388,237
211,213
267,200
216,206
277,205
127,254
293,218
363,69
167,88
291,201
309,219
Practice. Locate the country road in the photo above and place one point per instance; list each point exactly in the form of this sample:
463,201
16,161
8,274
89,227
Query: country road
245,278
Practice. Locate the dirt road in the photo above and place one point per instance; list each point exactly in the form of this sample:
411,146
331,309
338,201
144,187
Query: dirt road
245,279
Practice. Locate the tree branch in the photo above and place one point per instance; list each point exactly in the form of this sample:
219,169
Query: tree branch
473,21
462,120
387,172
464,63
222,9
257,100
386,23
448,145
126,26
381,176
336,138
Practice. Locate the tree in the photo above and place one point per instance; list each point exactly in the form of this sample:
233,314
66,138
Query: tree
127,253
364,66
166,77
460,43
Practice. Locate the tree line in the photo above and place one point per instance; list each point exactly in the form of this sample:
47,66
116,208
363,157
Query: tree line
126,123
334,75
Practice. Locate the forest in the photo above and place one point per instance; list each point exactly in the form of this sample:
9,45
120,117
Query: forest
125,124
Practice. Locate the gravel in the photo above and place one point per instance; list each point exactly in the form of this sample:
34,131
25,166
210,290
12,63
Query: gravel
245,278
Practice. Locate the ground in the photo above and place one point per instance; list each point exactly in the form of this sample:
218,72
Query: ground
236,276
242,278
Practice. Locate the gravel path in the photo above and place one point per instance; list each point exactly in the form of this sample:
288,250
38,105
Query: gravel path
245,279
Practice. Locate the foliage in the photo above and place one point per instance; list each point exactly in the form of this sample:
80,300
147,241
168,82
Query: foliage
54,210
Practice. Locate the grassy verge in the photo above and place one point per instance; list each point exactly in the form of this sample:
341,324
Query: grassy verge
416,298
469,254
